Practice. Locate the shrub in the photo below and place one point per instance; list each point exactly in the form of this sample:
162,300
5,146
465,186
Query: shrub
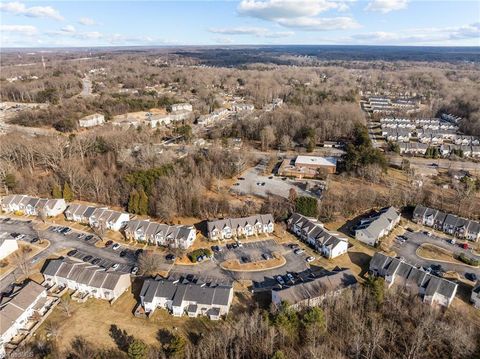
193,256
468,260
308,206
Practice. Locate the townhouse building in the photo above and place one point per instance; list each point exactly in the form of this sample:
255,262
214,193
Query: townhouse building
432,289
240,227
160,234
181,297
313,292
33,206
330,244
88,279
370,230
96,216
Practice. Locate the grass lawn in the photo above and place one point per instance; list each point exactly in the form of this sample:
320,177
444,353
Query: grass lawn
235,265
431,251
94,318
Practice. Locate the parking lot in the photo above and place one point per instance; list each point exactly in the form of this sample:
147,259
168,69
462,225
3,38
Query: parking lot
249,252
253,182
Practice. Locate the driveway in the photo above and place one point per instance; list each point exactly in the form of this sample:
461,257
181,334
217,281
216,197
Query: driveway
416,239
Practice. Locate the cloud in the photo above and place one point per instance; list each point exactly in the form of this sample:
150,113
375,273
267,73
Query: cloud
18,8
87,21
385,6
19,29
255,31
300,14
320,24
68,29
420,36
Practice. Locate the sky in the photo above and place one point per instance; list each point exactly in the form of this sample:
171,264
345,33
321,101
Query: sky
246,22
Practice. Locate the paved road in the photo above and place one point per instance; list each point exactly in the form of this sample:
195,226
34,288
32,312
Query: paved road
86,87
439,163
409,248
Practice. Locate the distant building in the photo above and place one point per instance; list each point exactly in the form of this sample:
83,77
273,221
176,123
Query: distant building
430,288
87,279
211,118
313,292
307,166
161,234
371,229
7,247
92,120
238,227
181,107
311,231
238,107
33,206
183,297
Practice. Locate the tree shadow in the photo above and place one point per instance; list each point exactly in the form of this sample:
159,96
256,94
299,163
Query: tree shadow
164,336
121,337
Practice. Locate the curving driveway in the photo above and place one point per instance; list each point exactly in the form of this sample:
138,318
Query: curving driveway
416,239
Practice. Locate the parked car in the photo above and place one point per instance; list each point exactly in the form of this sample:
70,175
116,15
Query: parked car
236,184
72,252
138,252
115,246
108,243
216,249
239,244
80,235
290,278
293,245
87,238
241,178
471,276
134,270
87,258
266,256
235,245
96,261
21,236
280,280
298,251
34,240
464,245
65,230
123,253
452,241
310,259
170,257
115,266
245,259
229,246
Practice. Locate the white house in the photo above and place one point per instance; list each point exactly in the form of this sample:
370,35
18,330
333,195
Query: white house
183,297
7,247
161,234
181,107
432,289
371,229
86,278
32,206
237,227
329,244
238,107
92,120
111,219
17,308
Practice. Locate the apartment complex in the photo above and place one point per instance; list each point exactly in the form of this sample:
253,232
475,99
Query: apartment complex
160,234
33,206
371,229
240,227
95,216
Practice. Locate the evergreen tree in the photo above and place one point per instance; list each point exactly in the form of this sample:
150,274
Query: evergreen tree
142,202
308,206
133,202
176,347
57,191
137,350
67,192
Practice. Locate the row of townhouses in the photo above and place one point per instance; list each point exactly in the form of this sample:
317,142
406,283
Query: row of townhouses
430,288
16,310
87,279
314,292
96,216
181,297
370,230
33,206
420,149
421,123
311,231
240,227
160,234
448,223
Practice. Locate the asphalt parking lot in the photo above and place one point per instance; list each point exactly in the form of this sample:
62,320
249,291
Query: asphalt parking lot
253,251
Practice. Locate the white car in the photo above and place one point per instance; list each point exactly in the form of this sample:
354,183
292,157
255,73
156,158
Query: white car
290,278
310,259
115,246
298,251
115,266
280,280
134,270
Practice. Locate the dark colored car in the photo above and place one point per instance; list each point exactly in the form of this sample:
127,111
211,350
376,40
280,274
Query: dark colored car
216,249
170,257
123,253
87,238
96,261
471,276
229,246
72,252
34,240
245,260
138,252
87,258
108,243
